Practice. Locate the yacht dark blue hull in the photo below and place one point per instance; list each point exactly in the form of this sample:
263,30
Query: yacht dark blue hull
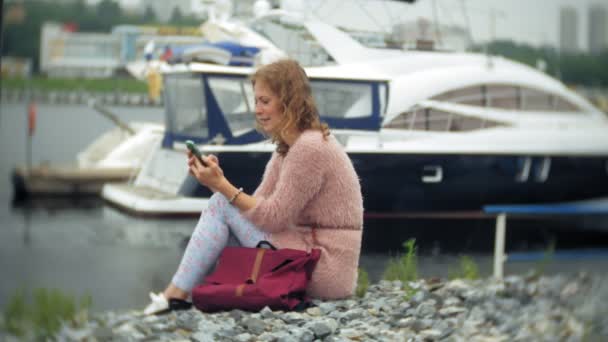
405,184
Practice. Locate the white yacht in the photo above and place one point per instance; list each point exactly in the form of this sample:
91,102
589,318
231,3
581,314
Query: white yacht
428,132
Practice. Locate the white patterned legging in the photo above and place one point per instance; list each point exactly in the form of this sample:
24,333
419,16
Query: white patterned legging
218,222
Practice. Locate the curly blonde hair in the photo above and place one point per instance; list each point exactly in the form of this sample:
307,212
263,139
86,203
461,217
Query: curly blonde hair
288,81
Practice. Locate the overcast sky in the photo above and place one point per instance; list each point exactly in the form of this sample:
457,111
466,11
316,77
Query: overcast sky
531,21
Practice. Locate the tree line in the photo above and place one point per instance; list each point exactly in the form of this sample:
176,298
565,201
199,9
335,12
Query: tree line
571,68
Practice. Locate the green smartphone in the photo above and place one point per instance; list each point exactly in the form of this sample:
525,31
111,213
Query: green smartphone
192,147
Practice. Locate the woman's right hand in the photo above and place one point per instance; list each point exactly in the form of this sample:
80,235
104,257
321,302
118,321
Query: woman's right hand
197,170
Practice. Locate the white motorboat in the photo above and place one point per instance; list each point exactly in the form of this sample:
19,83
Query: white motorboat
114,156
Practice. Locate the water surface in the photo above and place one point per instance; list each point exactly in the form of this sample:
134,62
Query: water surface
84,246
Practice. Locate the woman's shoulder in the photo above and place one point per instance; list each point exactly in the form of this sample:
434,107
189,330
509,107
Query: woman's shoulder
311,136
314,140
314,149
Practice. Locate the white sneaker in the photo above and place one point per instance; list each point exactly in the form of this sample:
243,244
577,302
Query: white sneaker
158,304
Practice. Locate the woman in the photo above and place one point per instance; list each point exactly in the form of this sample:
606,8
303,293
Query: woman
309,183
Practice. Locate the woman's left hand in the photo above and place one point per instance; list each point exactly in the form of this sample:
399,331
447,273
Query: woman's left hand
211,175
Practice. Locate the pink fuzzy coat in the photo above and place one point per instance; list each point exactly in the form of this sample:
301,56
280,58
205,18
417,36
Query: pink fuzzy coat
314,185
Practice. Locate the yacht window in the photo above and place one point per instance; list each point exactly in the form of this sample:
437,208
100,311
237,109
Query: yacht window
186,105
461,123
433,120
533,99
235,98
428,119
294,39
507,97
342,99
473,96
562,105
502,96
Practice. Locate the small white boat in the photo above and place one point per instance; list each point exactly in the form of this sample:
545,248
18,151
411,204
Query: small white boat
116,155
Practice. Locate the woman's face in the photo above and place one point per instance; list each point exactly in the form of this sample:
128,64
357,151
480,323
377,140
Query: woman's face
268,109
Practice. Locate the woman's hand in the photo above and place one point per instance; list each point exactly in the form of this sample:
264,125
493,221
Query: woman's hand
211,175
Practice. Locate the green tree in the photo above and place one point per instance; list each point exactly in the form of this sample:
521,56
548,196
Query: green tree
149,15
80,6
109,14
176,16
582,69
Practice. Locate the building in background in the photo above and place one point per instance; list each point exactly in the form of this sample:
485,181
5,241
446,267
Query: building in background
97,55
243,8
422,34
67,54
568,29
598,24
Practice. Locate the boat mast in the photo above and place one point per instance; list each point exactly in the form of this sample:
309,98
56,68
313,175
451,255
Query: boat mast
436,23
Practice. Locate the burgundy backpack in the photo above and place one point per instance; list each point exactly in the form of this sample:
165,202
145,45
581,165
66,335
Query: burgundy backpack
252,278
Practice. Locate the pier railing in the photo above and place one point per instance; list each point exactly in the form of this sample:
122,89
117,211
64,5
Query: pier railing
78,97
591,207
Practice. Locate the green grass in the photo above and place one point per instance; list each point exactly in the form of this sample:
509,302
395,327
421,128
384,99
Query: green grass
405,267
468,269
548,256
73,84
15,315
362,283
44,316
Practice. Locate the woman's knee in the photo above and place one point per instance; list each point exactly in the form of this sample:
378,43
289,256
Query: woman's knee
217,200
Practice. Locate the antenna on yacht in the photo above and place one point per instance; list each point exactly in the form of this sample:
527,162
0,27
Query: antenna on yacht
465,14
494,13
113,117
436,23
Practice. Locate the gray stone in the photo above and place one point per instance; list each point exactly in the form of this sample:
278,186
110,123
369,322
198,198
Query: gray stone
267,313
349,303
403,306
254,325
451,301
237,314
74,334
451,310
483,314
267,337
406,322
430,334
322,328
302,334
245,337
203,336
128,329
354,314
419,297
314,311
352,334
426,309
103,333
293,318
286,338
187,320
